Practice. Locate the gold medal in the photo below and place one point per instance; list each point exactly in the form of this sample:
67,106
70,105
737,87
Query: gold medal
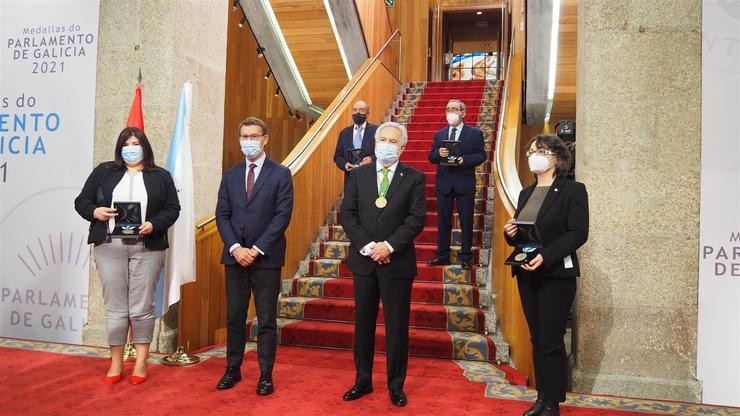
381,202
520,256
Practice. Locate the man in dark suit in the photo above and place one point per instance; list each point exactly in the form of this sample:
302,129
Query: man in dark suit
255,202
360,135
456,183
382,212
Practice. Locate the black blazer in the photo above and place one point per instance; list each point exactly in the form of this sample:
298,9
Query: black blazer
341,153
398,223
263,219
563,225
162,209
461,178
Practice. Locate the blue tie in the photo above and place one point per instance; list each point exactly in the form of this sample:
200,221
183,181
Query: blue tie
357,141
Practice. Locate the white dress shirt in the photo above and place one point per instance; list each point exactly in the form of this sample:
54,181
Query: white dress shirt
459,128
129,188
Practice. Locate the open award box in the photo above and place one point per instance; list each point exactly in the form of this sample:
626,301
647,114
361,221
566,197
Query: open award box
454,152
355,157
528,243
128,219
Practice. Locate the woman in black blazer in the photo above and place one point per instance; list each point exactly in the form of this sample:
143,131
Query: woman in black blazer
547,284
129,267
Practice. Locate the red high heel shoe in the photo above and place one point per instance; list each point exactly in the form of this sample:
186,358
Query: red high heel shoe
113,379
137,380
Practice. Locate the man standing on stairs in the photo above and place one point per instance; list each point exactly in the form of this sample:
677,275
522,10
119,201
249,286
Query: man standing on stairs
456,183
383,211
360,135
255,202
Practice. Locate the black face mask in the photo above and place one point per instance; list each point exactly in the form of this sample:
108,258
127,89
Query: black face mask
359,118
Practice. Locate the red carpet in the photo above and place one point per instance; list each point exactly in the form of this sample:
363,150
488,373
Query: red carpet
308,382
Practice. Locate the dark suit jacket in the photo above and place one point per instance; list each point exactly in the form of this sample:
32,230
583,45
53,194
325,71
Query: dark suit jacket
461,178
341,153
262,220
398,223
563,225
162,208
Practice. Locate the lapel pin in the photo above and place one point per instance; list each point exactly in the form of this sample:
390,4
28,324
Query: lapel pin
401,173
556,189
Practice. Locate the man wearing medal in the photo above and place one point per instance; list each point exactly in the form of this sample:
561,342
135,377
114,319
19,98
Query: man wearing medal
383,211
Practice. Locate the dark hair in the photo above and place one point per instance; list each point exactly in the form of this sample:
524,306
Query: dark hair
253,121
126,133
563,156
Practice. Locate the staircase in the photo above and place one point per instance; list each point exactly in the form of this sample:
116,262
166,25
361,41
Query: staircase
451,312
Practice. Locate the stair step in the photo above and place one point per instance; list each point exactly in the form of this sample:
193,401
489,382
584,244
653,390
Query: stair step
422,342
474,96
427,166
424,252
447,318
428,235
431,219
421,292
425,273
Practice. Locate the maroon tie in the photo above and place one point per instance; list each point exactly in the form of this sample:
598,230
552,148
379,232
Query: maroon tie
250,180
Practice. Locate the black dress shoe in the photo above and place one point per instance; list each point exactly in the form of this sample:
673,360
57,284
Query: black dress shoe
232,376
466,264
550,410
265,386
398,398
439,262
356,392
535,409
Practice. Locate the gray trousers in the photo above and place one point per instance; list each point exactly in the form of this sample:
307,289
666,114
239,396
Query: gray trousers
129,273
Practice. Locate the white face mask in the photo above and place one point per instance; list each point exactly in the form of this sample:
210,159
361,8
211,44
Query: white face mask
453,119
251,148
386,153
538,163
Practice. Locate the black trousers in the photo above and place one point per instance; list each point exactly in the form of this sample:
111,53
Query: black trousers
546,303
396,296
465,205
265,284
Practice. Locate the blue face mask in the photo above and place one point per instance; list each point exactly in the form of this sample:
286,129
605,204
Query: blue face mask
251,148
132,154
386,153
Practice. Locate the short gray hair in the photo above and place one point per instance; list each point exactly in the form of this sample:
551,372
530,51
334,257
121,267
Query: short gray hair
397,126
455,100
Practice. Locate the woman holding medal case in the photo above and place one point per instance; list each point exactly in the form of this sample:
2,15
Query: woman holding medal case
129,267
547,284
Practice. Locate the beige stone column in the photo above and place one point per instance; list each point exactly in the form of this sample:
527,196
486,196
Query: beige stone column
639,130
172,42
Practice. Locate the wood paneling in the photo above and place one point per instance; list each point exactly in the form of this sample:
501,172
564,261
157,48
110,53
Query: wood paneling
564,101
411,17
507,302
307,31
249,94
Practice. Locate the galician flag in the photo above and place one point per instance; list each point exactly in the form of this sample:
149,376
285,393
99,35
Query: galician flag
180,266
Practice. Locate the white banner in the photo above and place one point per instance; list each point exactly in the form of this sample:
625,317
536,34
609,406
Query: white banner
719,252
47,114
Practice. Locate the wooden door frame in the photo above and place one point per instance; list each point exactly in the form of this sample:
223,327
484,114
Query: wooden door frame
438,47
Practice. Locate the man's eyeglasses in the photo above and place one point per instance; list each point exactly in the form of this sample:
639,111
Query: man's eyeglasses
541,152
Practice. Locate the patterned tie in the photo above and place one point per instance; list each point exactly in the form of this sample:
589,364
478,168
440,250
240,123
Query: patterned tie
384,183
357,141
250,180
452,134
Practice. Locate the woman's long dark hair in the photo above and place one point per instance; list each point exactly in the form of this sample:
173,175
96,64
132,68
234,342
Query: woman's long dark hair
563,155
126,133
